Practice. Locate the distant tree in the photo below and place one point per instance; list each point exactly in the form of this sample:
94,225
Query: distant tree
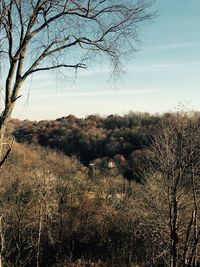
41,35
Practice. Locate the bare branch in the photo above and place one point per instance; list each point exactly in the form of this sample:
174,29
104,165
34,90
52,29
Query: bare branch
8,152
77,66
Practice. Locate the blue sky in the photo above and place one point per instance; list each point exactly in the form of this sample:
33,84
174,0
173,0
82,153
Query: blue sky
162,75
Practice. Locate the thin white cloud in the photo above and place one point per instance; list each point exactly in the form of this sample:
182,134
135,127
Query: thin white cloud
167,65
170,47
114,93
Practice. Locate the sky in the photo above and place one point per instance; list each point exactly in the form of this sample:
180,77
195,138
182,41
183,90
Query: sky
163,75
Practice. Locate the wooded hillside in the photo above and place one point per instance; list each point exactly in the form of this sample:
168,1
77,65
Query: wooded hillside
57,211
95,139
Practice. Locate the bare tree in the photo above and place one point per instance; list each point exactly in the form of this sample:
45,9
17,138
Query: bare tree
174,157
41,35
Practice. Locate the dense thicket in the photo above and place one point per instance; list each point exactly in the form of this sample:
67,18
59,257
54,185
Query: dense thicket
54,214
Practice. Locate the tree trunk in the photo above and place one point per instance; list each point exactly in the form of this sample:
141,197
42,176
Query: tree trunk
1,262
2,242
173,228
4,119
39,239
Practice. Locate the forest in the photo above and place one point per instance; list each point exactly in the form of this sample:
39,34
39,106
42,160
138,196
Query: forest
93,140
102,191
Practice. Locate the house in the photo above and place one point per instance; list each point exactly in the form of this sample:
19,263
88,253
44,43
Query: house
111,164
